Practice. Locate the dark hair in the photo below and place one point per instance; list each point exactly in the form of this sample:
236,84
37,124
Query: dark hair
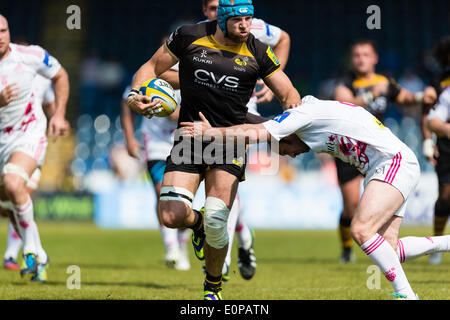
205,2
441,51
360,42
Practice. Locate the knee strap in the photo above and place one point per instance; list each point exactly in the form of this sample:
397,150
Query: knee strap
216,219
11,168
170,193
7,205
34,179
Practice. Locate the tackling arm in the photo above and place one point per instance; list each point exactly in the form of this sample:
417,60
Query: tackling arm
202,130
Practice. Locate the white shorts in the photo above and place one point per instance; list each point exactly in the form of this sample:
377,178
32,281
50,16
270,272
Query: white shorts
155,150
402,171
32,141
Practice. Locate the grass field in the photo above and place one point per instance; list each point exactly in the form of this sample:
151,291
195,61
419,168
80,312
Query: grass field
127,264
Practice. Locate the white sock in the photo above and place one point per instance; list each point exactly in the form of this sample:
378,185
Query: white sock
24,218
183,237
413,247
170,237
231,227
41,254
13,243
384,256
243,232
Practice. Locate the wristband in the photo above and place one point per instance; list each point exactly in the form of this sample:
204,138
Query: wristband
133,92
367,97
428,148
418,97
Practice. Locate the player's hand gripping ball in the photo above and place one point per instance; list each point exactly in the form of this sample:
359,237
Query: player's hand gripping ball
162,90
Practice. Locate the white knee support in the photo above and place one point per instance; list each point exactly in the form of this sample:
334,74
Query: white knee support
216,219
170,193
11,168
6,205
33,182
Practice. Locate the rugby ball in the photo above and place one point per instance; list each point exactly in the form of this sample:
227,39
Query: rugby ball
162,90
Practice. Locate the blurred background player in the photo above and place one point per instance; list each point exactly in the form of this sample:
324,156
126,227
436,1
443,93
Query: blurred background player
438,121
44,96
23,134
364,87
157,136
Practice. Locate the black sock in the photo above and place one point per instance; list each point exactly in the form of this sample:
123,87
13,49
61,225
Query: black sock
213,280
198,225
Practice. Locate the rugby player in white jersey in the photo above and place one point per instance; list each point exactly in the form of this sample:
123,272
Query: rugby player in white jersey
157,136
23,133
355,136
44,96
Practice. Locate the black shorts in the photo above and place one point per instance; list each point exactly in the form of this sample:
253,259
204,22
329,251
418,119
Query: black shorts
185,156
345,171
443,169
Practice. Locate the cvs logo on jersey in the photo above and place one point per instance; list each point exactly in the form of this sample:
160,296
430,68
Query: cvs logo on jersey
209,76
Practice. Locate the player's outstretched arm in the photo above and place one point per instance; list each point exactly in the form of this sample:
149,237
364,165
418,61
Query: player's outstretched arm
58,126
283,89
202,130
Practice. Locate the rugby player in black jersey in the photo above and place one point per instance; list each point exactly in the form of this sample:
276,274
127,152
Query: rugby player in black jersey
364,87
219,65
438,121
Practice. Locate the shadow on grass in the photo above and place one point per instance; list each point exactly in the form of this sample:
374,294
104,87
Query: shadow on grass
299,260
103,266
148,285
430,282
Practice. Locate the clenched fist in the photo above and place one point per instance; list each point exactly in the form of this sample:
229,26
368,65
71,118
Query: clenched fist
9,93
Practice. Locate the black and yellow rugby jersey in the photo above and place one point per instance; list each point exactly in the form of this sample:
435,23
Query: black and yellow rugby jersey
359,86
215,79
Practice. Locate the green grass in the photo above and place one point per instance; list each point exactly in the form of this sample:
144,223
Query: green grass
128,264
